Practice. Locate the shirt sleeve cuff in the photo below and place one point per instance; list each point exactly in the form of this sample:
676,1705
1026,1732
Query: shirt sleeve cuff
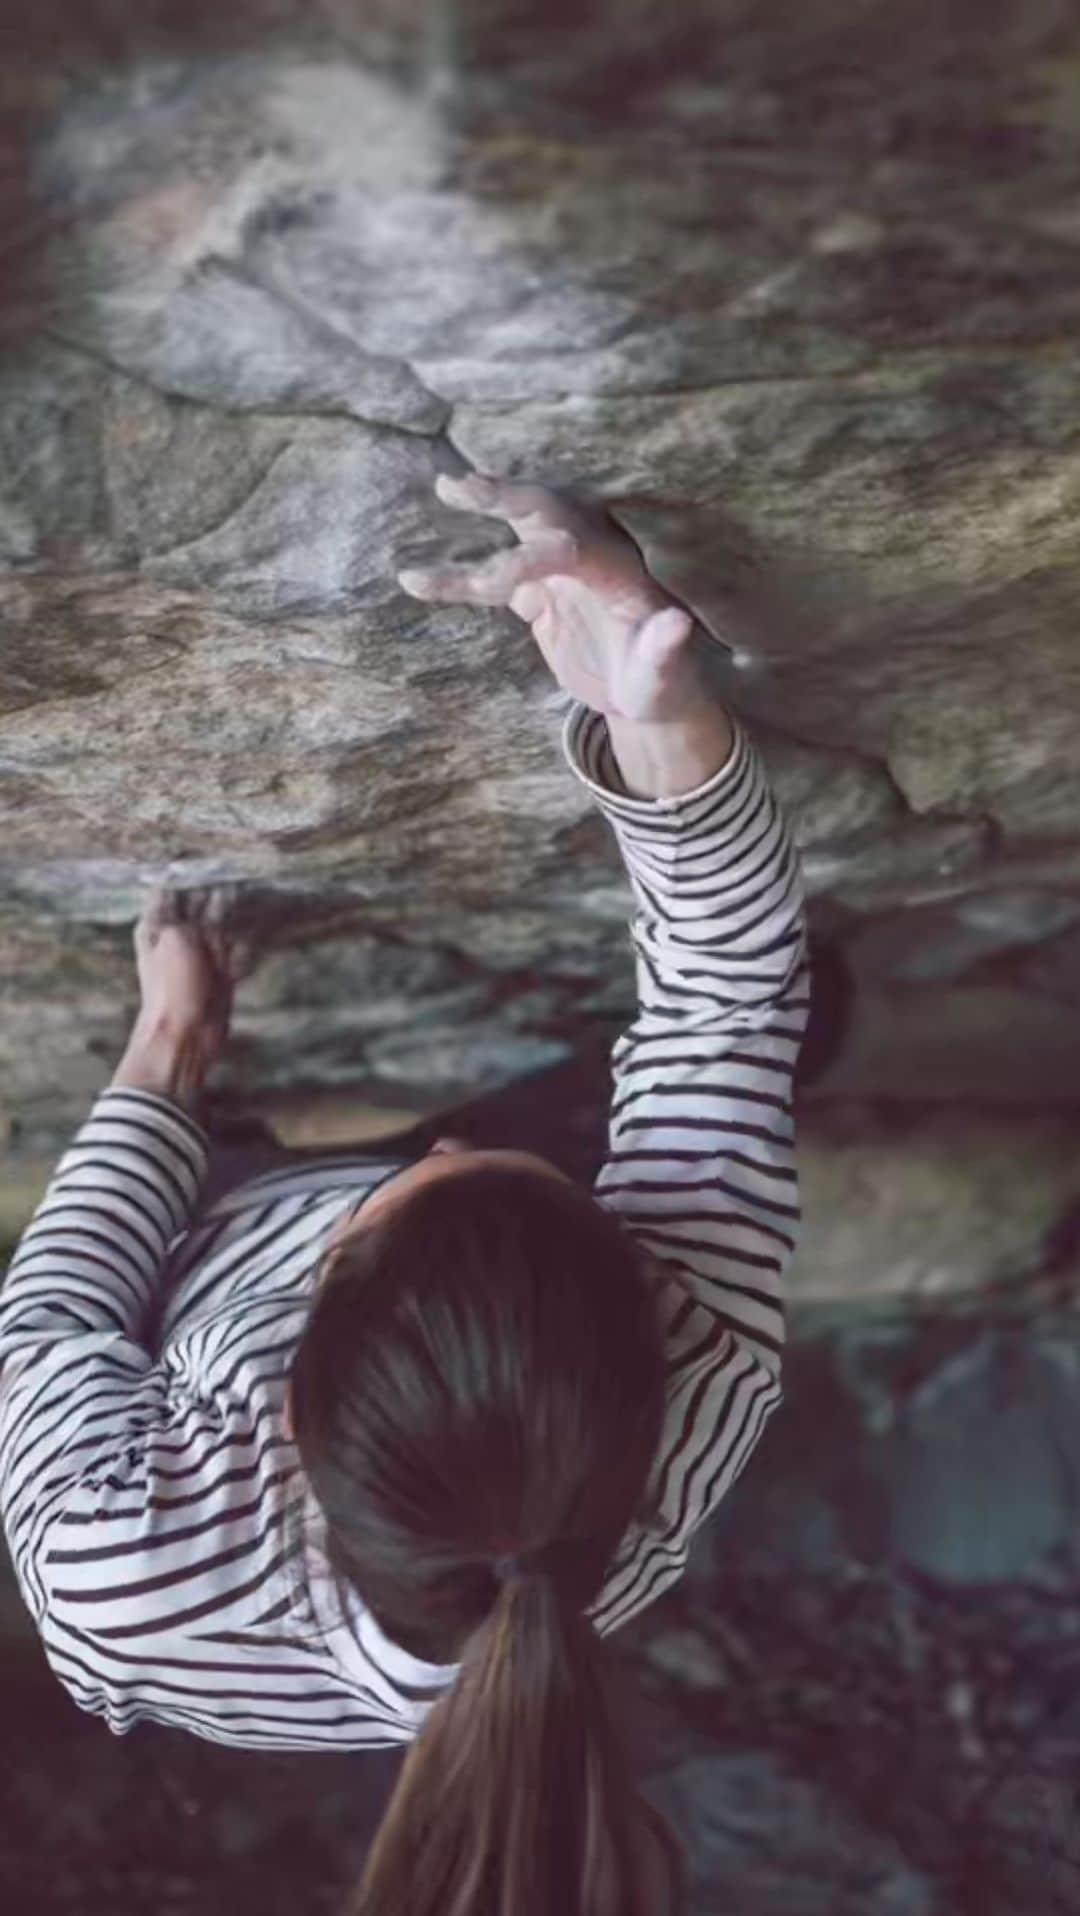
587,748
192,1134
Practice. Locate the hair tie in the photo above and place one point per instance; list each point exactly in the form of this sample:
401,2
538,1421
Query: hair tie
510,1566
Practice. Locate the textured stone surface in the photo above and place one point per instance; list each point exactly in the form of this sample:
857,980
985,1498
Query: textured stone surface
930,1199
941,1444
797,303
736,1803
986,1042
801,311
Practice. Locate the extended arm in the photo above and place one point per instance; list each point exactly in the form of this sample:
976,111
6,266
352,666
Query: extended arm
701,1158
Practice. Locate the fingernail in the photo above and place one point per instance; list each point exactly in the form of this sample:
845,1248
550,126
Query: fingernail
529,601
672,618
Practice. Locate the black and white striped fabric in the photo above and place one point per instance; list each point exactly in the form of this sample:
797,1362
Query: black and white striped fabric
149,1495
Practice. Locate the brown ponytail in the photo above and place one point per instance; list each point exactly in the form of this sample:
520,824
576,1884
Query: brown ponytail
483,1373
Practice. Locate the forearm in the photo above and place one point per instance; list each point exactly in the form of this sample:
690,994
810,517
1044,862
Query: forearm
667,760
171,1062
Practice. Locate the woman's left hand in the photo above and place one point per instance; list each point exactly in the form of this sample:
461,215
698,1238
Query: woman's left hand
189,957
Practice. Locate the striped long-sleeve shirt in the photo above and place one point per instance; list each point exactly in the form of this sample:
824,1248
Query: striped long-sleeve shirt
148,1489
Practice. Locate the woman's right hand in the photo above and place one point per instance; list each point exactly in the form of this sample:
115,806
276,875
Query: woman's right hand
610,634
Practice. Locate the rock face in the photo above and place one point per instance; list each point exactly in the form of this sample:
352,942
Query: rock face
796,295
797,300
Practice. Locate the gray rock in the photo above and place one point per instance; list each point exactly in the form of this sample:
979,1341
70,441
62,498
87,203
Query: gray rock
940,1445
927,1201
788,314
270,512
942,942
1055,968
764,1839
994,1043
